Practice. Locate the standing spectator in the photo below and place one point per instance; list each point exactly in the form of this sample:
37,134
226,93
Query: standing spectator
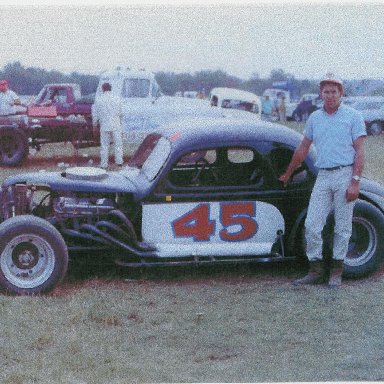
338,133
107,112
282,109
8,99
267,107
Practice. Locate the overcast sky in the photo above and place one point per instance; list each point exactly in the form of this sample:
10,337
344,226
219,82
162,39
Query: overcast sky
303,39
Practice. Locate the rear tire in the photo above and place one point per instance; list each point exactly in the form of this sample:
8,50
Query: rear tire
375,128
33,255
366,246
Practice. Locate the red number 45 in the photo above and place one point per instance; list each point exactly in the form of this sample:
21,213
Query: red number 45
197,223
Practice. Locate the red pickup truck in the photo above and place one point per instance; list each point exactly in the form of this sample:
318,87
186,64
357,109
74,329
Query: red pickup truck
59,114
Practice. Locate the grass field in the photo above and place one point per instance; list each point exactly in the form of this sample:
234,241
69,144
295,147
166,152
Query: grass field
237,324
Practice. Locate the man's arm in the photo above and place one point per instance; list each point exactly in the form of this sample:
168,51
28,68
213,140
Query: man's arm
358,165
298,157
15,98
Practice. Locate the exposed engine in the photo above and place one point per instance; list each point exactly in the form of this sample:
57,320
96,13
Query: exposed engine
73,206
86,222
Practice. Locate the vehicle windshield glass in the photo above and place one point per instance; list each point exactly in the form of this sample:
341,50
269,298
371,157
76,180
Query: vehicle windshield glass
43,96
238,104
151,155
135,88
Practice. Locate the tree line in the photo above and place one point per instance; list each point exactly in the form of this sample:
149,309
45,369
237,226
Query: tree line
30,80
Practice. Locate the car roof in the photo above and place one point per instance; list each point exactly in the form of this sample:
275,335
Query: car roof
127,73
213,131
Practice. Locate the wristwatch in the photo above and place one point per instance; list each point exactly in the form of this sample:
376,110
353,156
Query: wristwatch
355,177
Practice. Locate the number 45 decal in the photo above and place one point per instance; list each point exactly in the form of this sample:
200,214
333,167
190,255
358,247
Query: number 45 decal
198,224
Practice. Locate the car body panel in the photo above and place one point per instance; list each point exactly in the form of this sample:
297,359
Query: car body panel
229,228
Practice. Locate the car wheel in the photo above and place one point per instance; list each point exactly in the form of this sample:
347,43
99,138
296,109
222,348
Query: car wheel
33,255
13,146
375,128
366,245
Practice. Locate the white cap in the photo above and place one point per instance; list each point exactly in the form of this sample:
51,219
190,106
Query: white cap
331,78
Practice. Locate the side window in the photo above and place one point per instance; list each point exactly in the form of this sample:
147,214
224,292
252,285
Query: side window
60,96
195,169
280,158
238,167
244,168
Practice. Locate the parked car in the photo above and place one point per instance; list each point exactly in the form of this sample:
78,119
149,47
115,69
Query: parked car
308,103
372,109
368,103
197,191
231,98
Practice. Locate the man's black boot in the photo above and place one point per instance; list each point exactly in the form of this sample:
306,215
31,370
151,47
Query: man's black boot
315,274
335,276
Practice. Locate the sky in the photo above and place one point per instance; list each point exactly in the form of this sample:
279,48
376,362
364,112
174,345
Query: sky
303,38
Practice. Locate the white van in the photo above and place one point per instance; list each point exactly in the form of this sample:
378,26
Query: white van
235,99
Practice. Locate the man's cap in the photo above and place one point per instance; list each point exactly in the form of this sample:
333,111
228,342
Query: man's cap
3,82
331,78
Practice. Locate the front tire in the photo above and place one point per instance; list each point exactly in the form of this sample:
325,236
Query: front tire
33,255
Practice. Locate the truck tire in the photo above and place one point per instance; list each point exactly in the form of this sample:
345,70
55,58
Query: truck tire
33,255
13,146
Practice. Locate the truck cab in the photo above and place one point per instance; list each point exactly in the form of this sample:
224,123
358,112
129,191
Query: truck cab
62,99
131,84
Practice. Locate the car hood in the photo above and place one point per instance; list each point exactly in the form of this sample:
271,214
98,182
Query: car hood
145,115
80,179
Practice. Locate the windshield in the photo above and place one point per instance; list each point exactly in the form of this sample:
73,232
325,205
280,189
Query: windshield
239,104
151,155
43,96
135,88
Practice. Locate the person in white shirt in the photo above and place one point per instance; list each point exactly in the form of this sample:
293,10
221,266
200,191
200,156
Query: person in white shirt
107,112
8,99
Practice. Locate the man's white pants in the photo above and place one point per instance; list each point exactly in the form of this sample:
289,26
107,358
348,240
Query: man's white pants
329,193
105,139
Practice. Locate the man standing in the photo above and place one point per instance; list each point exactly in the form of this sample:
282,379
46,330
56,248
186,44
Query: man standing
107,111
282,109
338,133
267,107
8,99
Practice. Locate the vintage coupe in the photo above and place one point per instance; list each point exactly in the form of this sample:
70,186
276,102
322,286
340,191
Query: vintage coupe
195,191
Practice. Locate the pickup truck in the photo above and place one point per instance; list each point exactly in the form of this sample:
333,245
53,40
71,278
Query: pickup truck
59,114
67,99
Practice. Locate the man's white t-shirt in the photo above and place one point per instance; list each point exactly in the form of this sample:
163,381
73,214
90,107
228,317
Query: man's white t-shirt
7,100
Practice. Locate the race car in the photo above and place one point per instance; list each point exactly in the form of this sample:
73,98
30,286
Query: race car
196,191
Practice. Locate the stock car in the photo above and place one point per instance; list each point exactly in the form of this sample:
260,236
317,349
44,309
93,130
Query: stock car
196,191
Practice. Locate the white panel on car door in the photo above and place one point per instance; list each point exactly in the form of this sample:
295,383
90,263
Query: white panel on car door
212,228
